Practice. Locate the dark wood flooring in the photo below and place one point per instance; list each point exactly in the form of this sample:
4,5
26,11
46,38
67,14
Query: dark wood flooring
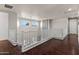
6,48
68,46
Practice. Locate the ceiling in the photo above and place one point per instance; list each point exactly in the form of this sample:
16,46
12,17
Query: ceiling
42,11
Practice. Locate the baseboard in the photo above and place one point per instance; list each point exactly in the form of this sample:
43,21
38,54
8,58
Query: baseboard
1,39
13,43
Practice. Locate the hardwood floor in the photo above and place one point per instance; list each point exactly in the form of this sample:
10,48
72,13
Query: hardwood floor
6,48
68,46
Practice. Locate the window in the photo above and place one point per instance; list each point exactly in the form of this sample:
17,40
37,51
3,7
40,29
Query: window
45,25
24,23
35,24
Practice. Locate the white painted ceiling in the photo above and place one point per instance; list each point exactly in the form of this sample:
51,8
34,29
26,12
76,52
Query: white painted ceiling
42,11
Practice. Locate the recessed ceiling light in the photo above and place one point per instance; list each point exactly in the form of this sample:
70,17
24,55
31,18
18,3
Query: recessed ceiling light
69,9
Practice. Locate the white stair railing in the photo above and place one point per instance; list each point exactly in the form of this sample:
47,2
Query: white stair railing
29,38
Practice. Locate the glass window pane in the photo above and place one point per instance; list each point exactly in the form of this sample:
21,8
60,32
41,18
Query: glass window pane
35,24
24,23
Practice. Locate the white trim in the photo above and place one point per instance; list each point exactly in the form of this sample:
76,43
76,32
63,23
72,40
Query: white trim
13,43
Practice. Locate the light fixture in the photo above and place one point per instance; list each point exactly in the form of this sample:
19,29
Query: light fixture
8,6
69,9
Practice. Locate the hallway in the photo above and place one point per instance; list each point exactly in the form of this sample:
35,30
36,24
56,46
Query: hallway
32,26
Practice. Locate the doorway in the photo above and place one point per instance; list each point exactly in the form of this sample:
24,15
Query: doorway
73,31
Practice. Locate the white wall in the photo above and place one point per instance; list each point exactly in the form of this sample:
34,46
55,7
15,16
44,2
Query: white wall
3,25
13,28
59,28
55,28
